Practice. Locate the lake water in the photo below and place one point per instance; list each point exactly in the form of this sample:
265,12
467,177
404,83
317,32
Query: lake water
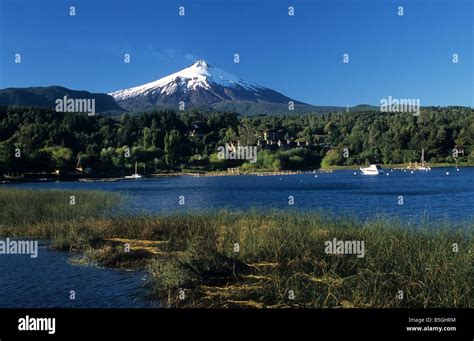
433,195
47,280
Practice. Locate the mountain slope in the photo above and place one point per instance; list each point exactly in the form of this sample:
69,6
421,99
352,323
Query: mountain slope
200,85
46,97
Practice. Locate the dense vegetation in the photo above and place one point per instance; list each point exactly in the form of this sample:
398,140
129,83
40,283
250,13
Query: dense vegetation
42,140
280,260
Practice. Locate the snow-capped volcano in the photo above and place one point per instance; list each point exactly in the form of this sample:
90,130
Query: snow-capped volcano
200,84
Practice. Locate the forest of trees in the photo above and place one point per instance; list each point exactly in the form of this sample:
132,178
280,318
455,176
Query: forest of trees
34,140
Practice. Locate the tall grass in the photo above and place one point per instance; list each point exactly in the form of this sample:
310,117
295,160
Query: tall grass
280,252
20,209
281,260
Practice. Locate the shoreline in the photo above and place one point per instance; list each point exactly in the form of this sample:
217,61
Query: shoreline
210,275
254,259
400,166
114,178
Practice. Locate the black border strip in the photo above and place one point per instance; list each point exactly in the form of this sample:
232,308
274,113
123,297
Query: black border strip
240,323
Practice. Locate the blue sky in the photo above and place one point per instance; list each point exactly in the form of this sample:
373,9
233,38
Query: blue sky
301,56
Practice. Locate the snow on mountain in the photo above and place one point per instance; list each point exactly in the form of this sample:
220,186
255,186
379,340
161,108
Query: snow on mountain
200,74
200,84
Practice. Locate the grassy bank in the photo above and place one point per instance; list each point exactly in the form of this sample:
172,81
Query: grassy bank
253,259
23,207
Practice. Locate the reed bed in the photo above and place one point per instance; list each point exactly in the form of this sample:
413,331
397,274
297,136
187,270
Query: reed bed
254,259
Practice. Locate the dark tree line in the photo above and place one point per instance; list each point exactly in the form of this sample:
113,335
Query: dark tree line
42,140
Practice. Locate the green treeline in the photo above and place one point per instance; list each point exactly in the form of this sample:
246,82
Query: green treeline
42,140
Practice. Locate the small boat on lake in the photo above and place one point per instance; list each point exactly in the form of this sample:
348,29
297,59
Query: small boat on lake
135,175
422,166
371,170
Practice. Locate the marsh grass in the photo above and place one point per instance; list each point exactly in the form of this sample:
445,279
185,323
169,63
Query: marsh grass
279,252
25,206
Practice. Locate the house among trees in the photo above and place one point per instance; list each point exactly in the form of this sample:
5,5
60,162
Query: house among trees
198,128
161,140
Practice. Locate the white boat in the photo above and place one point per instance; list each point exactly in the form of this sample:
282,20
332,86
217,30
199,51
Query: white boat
422,166
371,170
135,175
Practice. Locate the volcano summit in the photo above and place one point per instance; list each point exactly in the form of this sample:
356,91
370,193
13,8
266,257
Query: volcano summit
202,85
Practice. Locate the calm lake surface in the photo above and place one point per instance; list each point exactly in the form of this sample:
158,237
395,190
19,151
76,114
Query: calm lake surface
47,280
434,195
